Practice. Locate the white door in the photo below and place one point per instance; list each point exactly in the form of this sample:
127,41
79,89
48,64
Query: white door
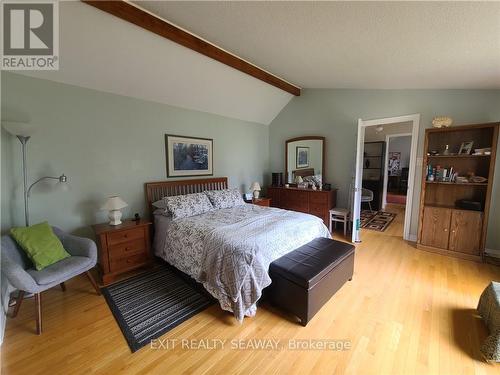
358,179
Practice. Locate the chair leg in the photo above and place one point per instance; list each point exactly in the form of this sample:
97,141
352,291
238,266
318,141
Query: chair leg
345,226
38,303
63,287
94,284
370,205
19,300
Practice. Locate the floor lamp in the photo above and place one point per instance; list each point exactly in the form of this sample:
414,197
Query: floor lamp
23,132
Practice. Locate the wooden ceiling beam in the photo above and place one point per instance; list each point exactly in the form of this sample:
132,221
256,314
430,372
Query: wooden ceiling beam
128,12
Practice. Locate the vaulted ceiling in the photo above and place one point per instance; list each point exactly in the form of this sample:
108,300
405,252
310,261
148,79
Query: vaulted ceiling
331,44
310,44
102,52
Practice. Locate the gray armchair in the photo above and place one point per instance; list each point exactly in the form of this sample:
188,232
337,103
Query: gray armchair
23,276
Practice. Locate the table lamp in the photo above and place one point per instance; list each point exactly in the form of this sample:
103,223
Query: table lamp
114,205
255,188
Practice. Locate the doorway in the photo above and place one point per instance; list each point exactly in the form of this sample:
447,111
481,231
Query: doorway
372,173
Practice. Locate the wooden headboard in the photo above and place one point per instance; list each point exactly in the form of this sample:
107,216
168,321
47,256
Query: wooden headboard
157,190
303,172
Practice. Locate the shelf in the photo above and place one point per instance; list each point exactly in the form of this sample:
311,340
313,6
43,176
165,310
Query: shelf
453,207
458,156
457,184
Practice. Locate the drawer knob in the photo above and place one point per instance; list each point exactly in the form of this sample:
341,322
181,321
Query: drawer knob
125,235
127,249
446,230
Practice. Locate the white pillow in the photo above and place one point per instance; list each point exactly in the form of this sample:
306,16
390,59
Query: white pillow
225,198
188,205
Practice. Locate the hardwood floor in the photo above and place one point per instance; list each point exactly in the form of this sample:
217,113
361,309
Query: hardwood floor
406,311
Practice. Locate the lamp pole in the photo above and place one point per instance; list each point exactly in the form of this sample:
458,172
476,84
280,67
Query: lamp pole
23,141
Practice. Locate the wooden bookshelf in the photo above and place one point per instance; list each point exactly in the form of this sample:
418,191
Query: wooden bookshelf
444,227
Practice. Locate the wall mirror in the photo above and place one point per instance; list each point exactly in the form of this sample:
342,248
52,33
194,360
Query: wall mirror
305,156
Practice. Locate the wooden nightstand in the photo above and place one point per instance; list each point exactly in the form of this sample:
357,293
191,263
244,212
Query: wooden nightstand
122,248
265,202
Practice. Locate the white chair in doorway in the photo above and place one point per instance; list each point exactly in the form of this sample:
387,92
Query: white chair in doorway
367,197
341,215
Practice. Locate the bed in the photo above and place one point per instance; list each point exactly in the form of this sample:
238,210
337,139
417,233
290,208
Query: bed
228,250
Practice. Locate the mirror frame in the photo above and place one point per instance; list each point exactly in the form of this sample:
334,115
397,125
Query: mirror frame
306,138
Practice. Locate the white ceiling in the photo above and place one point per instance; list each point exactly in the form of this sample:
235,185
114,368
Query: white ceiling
354,44
103,52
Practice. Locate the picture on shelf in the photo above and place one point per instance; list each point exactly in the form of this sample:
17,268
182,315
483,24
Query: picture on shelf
466,148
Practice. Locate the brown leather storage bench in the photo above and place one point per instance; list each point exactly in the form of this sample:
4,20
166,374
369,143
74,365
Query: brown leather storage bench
305,279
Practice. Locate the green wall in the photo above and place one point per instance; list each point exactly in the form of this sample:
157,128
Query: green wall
334,114
107,144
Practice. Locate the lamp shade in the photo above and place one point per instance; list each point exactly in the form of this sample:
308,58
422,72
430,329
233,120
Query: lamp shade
114,203
62,184
255,186
22,129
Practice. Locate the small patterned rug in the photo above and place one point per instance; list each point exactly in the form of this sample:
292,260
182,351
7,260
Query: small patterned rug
376,220
152,303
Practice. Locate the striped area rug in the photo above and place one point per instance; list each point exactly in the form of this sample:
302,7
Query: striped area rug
148,305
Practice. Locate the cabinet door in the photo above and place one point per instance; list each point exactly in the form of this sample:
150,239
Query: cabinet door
436,226
465,231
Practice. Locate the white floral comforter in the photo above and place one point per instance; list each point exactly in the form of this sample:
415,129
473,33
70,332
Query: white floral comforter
229,250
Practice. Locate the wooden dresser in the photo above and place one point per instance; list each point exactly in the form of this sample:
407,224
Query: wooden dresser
314,202
122,248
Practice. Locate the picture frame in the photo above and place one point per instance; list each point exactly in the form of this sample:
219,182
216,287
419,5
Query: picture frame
301,157
394,163
466,148
188,156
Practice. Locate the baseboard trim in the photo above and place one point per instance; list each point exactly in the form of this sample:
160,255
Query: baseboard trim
494,253
412,237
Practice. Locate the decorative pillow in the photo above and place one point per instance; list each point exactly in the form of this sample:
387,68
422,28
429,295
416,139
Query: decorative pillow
188,205
40,244
225,198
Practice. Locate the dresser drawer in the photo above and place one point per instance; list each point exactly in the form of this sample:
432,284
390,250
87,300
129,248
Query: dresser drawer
127,262
317,197
317,209
125,249
125,236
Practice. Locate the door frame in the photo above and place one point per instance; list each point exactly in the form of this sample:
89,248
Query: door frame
362,124
386,168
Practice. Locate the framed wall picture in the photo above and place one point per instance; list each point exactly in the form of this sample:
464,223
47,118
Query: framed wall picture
394,163
188,156
302,157
466,148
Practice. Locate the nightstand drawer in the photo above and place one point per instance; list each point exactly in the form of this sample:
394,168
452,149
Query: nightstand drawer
127,248
127,262
125,236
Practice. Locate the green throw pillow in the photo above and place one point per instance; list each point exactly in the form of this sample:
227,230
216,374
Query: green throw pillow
40,244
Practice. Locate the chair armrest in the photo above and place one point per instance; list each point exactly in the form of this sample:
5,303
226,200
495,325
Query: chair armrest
17,276
77,246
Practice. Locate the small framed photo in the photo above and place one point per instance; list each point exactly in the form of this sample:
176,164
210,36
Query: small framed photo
466,148
302,157
188,156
